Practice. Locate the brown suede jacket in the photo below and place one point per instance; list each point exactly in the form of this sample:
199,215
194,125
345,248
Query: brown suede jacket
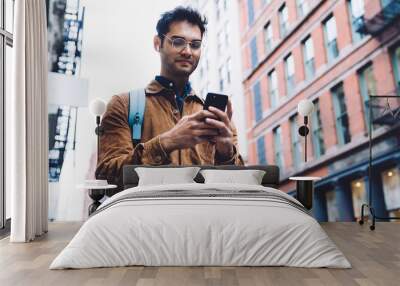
161,114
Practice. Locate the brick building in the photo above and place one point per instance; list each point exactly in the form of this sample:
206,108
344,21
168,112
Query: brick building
335,53
220,69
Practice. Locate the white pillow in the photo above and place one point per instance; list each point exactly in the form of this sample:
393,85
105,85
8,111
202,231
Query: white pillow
249,177
163,176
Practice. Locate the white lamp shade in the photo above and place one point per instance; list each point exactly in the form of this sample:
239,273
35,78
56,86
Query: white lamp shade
97,107
305,107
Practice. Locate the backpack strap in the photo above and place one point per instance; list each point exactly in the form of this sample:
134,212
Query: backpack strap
137,103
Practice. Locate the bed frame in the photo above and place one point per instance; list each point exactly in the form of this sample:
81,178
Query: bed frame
130,179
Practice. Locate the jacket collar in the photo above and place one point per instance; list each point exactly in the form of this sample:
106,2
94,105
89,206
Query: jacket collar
155,87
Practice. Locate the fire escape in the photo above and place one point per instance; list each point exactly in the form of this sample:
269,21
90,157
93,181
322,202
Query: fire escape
389,15
68,63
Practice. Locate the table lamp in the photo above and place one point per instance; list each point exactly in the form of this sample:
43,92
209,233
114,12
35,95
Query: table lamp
305,108
97,108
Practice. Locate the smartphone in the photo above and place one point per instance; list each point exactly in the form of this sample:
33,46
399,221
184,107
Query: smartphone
217,100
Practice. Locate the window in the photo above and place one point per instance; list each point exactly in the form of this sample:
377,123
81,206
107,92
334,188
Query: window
266,2
221,78
330,34
226,34
295,140
203,69
367,87
6,44
8,15
203,93
359,196
332,206
278,147
250,11
289,70
302,8
268,37
309,65
257,102
220,41
222,72
283,21
273,89
219,6
356,8
396,66
253,49
391,188
261,151
316,130
208,88
228,70
342,120
384,3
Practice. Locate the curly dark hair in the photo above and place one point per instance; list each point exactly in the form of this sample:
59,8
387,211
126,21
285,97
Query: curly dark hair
179,14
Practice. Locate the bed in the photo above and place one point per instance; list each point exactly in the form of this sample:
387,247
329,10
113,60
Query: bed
201,224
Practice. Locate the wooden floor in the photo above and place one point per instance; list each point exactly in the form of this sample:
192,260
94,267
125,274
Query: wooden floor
374,255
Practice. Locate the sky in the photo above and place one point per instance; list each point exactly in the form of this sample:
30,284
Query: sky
117,46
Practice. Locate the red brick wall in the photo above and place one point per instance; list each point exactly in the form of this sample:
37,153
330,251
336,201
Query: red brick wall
286,146
252,153
243,16
280,72
264,94
354,105
275,28
319,46
298,63
328,120
269,149
260,46
343,25
383,73
246,58
372,7
291,6
249,107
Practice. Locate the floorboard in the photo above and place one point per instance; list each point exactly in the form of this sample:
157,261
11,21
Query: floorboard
374,255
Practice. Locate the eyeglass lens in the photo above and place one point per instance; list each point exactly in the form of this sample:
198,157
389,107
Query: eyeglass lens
182,43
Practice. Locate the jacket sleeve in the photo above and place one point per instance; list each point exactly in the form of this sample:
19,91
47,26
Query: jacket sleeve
236,159
117,148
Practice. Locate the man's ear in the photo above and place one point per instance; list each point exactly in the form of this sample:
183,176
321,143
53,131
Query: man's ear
157,43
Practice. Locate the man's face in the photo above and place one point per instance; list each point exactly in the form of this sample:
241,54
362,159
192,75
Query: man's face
181,61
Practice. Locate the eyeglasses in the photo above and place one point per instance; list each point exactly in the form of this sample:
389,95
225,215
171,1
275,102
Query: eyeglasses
180,44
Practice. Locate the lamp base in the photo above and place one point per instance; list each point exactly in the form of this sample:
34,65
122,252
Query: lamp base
305,189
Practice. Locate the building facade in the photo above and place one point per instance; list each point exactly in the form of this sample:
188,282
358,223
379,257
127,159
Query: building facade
220,66
335,53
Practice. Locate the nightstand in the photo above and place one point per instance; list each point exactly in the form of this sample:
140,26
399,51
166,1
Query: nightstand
96,193
305,189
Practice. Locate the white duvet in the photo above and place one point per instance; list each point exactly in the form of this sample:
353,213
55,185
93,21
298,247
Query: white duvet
201,224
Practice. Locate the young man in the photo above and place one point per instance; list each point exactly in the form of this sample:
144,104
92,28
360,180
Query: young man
175,130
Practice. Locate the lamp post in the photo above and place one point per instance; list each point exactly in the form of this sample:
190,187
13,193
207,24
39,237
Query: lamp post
97,108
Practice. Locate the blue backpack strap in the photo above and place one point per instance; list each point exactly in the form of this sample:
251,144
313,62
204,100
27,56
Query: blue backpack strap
137,103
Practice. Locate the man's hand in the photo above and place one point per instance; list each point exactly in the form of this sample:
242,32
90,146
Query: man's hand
189,131
224,139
